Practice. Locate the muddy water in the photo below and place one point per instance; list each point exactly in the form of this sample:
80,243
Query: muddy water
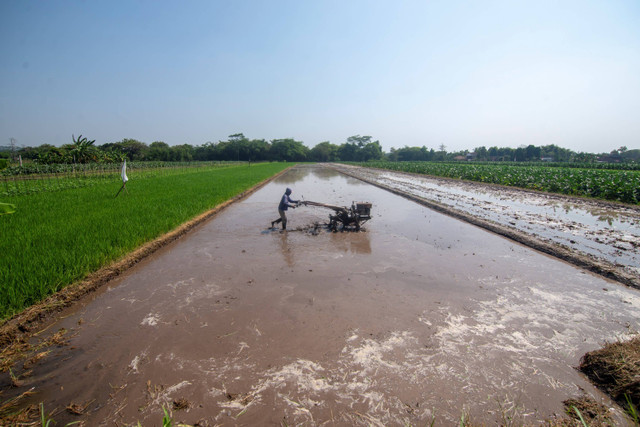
604,231
419,316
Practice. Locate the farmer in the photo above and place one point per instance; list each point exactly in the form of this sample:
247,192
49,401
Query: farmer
285,203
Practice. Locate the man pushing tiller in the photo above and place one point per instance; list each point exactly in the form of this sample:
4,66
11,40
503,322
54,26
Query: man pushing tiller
285,203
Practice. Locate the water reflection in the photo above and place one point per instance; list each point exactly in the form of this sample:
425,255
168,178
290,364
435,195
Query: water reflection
325,174
600,214
300,172
293,175
286,249
353,242
607,218
347,242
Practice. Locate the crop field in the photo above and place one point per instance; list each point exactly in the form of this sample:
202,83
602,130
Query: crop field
419,319
34,178
65,227
586,181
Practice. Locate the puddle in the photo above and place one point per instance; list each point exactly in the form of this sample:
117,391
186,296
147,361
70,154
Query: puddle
420,316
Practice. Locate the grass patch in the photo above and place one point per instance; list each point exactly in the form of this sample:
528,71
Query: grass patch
57,238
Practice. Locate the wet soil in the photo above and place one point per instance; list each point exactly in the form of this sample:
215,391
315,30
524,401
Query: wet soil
420,316
594,234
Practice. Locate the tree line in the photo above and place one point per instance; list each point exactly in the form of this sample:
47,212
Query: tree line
238,147
530,153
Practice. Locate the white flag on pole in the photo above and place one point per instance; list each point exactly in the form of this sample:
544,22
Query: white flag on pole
123,174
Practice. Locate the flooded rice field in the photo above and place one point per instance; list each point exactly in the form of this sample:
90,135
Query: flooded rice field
599,229
419,317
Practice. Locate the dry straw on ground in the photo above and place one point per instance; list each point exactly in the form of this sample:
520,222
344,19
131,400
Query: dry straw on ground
615,368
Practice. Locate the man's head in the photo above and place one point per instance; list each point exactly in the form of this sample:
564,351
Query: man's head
288,192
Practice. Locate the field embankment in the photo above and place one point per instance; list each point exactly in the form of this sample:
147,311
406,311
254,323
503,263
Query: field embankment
58,237
615,368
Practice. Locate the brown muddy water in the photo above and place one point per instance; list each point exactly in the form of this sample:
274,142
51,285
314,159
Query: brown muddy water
420,316
599,229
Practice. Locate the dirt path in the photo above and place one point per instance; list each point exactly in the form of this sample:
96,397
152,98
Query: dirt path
420,316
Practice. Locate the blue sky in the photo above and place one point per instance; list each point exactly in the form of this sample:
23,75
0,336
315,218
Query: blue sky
458,73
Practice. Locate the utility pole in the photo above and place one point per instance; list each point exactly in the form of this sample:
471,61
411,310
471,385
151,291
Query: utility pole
13,148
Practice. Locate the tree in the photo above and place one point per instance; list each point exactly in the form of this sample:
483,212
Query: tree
182,153
159,151
532,153
360,149
258,149
238,143
347,152
559,154
44,154
358,140
481,153
442,153
371,151
132,149
238,147
413,154
631,155
206,151
585,157
288,150
324,152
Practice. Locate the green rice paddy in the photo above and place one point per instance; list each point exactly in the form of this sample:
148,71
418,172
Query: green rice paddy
55,238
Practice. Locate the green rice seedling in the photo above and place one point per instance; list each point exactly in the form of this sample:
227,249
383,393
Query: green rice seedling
632,410
464,419
58,238
577,411
47,420
166,419
43,417
433,418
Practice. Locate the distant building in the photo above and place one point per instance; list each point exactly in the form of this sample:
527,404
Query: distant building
610,159
546,159
472,156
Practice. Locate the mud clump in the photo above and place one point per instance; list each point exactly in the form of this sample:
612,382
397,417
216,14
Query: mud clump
243,398
592,412
615,368
77,409
180,404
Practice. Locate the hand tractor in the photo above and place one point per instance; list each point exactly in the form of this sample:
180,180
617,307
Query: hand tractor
345,219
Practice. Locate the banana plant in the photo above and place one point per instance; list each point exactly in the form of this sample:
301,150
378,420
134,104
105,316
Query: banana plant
81,148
